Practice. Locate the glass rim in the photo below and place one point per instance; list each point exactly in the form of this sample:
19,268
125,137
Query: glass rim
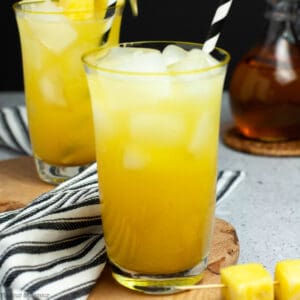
17,6
92,66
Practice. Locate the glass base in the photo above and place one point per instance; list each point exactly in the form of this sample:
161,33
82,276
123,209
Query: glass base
56,174
158,284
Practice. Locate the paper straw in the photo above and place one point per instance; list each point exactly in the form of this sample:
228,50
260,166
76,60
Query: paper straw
217,25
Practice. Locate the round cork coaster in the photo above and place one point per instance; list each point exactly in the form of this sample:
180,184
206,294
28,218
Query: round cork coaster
233,139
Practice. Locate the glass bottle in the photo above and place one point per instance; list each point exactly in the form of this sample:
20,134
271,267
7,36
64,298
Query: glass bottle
265,85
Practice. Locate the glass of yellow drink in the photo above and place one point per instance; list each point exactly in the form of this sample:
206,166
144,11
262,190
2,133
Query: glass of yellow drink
156,111
53,35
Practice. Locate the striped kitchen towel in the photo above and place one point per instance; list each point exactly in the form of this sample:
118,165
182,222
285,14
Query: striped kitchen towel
54,247
14,129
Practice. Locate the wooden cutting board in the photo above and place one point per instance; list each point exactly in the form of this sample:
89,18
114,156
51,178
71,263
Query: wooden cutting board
19,184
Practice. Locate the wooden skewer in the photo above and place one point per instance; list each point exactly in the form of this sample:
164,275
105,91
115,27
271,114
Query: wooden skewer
201,286
206,286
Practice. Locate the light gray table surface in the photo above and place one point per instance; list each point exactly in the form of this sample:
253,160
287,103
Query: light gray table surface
264,208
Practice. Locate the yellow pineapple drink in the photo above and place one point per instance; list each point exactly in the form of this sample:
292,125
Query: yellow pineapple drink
156,118
54,34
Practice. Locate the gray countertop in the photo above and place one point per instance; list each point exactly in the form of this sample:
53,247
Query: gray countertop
264,208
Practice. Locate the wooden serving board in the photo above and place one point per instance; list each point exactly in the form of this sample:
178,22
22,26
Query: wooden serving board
19,184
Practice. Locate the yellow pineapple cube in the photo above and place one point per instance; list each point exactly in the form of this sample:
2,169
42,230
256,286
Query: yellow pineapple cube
287,273
247,282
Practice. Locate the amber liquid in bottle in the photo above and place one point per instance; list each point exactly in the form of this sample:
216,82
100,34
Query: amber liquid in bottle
265,90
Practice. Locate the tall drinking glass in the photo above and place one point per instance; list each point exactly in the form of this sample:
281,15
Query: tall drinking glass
57,97
156,138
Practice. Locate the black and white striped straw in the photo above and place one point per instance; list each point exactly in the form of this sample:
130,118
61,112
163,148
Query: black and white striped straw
217,25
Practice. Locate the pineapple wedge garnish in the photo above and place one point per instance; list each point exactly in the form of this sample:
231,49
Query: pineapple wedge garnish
77,5
85,5
287,274
247,282
83,9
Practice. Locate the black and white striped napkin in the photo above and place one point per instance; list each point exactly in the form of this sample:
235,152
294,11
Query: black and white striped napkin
54,247
14,129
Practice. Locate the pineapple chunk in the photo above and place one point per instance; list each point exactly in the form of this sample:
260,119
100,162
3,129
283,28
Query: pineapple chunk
287,273
247,282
